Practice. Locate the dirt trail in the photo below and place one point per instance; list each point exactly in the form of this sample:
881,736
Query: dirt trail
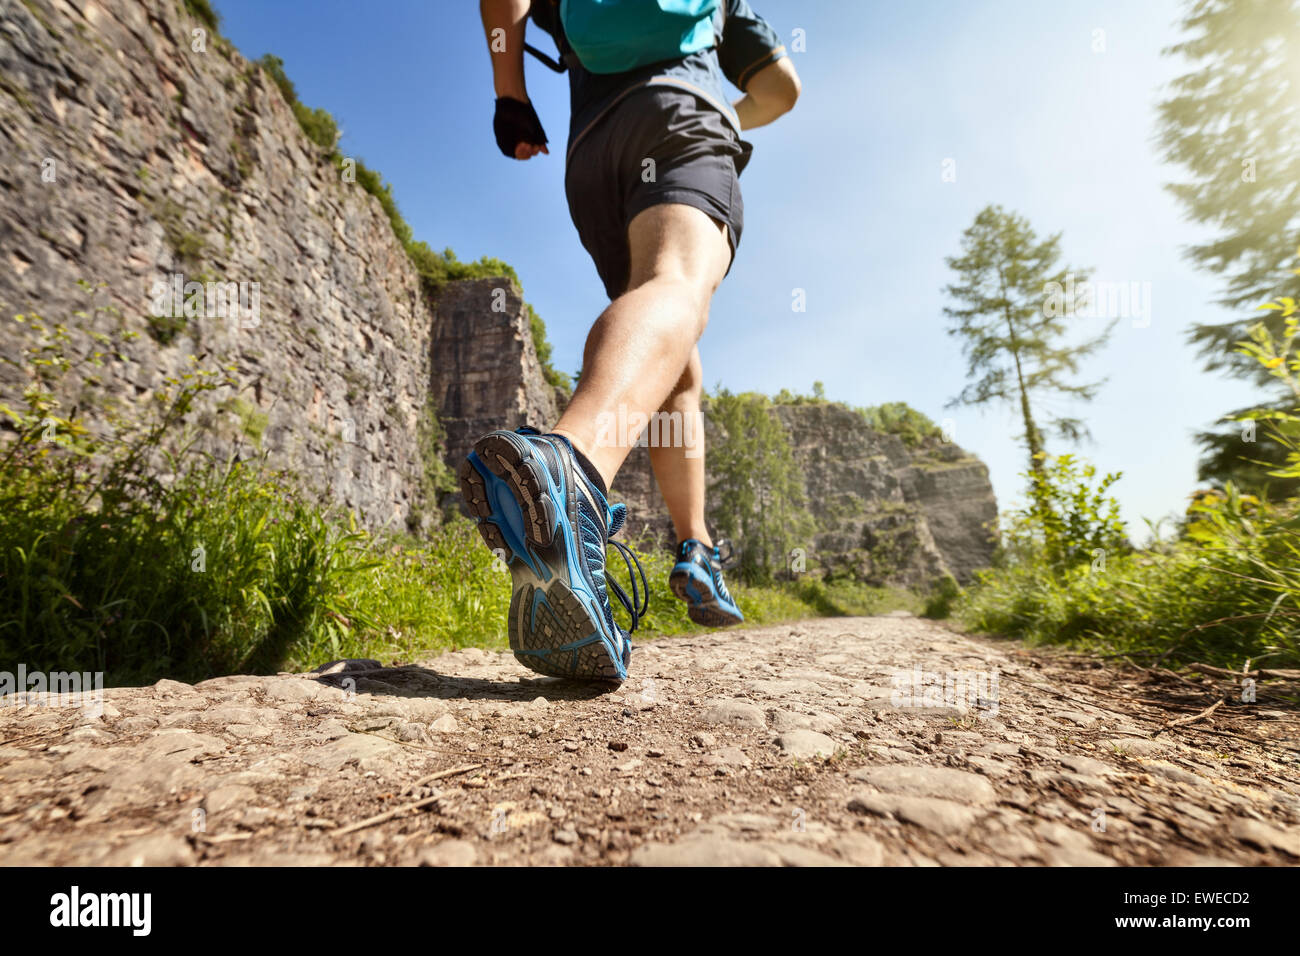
786,745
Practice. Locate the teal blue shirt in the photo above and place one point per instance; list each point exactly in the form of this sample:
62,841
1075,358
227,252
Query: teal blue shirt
748,44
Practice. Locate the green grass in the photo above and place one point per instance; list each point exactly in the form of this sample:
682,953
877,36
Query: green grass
1219,605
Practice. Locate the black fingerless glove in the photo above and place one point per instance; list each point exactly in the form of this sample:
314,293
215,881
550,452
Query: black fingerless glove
516,122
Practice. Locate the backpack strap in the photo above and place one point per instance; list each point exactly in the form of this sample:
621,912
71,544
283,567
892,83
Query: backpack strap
546,60
546,14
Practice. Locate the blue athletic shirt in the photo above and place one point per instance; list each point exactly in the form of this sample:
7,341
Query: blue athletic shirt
748,44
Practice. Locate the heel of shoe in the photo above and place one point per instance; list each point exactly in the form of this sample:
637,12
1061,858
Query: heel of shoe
506,491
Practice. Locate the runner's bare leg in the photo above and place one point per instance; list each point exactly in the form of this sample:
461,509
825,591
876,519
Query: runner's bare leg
638,349
679,468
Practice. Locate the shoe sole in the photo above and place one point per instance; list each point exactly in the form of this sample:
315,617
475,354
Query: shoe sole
552,630
704,613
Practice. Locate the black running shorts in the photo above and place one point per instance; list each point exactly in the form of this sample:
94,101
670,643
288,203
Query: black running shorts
656,145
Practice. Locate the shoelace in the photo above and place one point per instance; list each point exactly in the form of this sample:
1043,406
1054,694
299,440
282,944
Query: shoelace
720,584
635,611
617,515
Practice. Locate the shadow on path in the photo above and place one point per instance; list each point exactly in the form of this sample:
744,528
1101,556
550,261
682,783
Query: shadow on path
410,680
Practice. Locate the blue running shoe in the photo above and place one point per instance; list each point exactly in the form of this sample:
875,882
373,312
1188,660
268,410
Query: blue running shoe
697,580
539,513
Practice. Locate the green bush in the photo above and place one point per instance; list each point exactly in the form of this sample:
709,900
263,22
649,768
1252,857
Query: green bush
1069,519
319,126
899,418
203,11
1188,605
274,67
1227,591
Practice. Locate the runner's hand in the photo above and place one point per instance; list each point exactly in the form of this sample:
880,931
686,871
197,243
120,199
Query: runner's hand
518,130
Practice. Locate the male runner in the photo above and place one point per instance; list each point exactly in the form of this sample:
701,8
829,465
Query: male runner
651,171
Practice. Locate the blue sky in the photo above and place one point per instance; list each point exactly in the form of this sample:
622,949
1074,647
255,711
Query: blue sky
844,197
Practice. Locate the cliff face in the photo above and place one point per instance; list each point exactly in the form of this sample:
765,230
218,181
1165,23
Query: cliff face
486,374
140,155
886,513
892,513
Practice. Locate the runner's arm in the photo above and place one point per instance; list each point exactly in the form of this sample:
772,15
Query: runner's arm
506,47
771,92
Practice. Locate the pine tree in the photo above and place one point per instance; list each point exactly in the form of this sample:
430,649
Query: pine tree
1013,325
1234,123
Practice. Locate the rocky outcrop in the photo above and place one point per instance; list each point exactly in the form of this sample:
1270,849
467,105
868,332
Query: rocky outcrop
486,374
885,513
893,514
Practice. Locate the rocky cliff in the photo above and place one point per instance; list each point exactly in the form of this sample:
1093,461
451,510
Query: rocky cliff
486,374
146,157
886,513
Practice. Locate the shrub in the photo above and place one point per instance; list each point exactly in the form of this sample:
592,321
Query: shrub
899,418
203,11
274,67
319,126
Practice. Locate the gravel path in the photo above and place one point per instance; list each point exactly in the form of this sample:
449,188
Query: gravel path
862,741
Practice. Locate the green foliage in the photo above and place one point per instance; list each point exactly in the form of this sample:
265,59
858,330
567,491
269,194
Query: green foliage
1069,519
892,418
373,183
939,601
274,67
188,246
319,126
1228,595
164,329
223,567
203,11
1279,357
1226,592
757,487
252,420
439,268
1252,466
1233,123
899,418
